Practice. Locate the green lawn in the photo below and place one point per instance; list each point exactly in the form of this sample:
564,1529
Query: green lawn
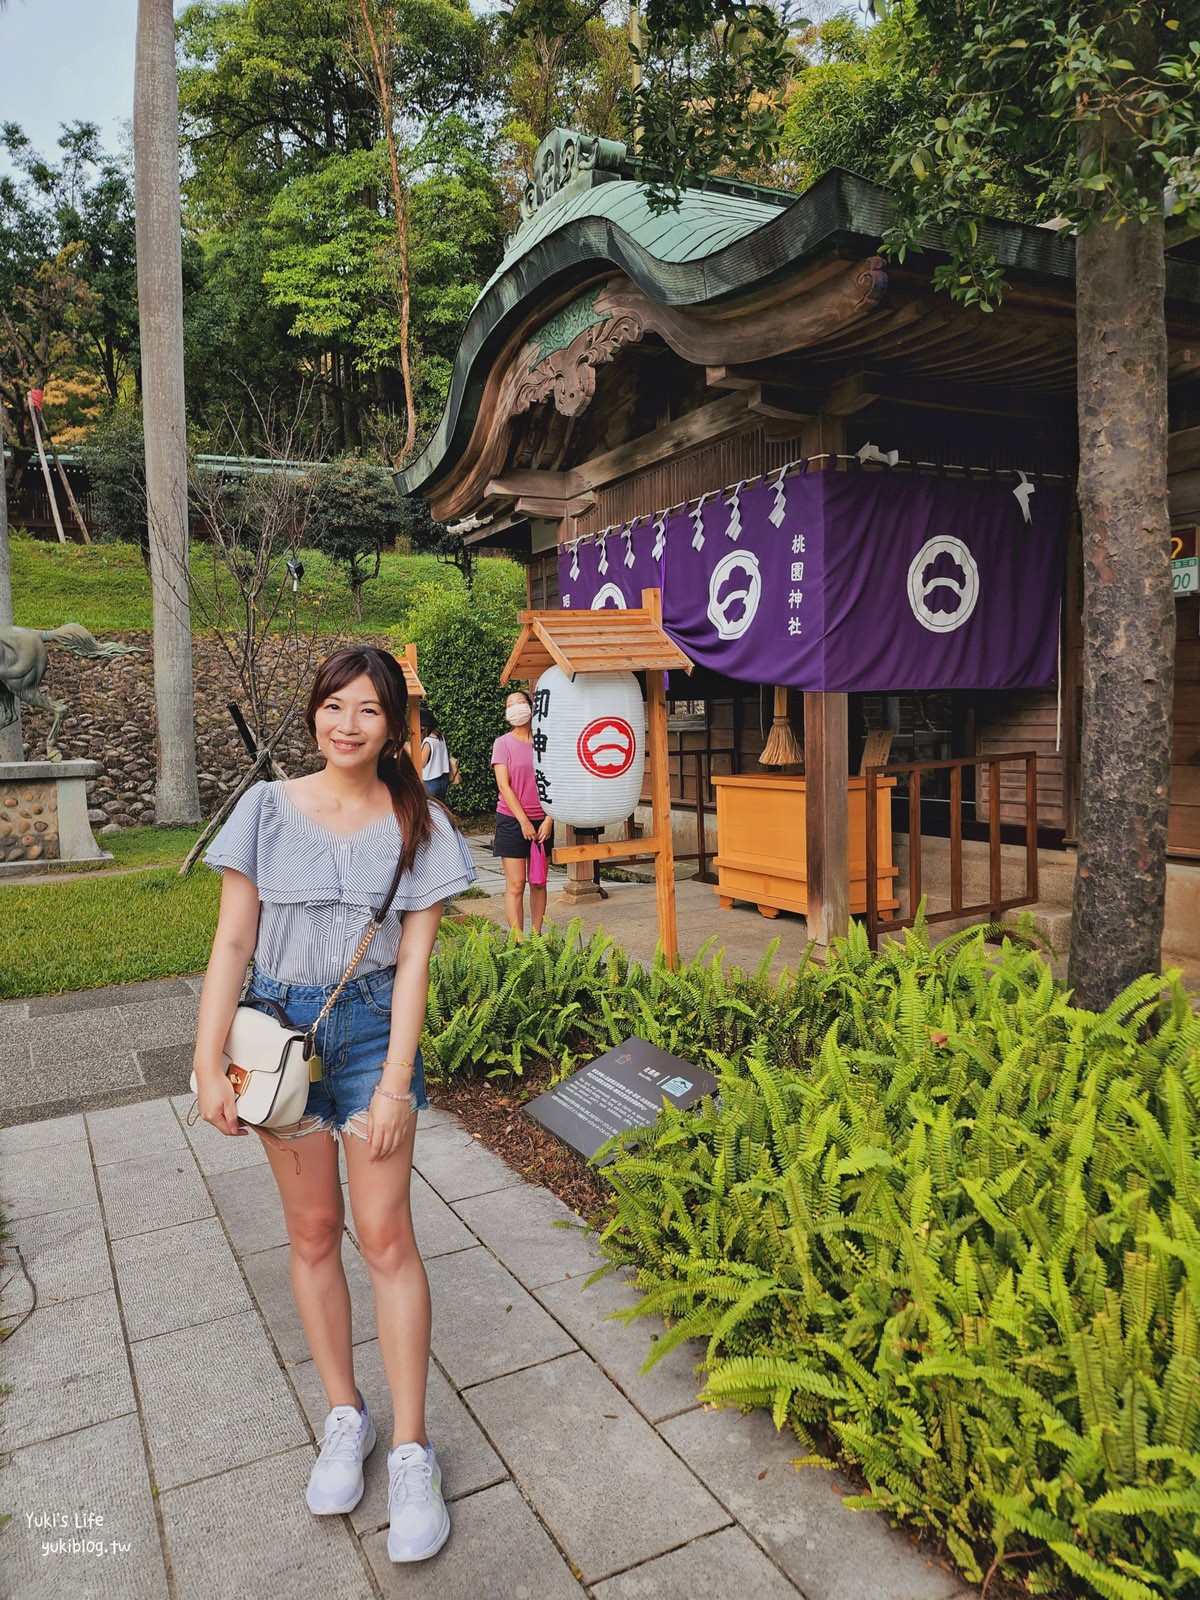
105,587
105,928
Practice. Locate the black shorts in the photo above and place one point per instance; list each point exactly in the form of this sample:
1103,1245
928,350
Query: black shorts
510,841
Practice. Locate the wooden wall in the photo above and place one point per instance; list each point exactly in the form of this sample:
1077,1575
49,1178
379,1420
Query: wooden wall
1183,827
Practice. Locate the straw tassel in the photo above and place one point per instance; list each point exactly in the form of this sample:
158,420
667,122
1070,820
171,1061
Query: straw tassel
782,748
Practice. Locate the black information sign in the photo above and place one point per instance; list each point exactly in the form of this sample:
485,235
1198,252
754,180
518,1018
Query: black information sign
620,1090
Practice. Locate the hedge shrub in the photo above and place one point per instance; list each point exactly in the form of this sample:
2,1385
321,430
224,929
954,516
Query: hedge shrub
463,638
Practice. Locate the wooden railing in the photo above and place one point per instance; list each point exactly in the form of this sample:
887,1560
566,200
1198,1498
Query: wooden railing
996,901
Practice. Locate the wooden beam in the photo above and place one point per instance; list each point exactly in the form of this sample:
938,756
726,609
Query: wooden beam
660,797
705,425
604,850
827,797
1183,450
518,481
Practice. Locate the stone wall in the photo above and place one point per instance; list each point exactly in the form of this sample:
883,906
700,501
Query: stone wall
111,721
29,821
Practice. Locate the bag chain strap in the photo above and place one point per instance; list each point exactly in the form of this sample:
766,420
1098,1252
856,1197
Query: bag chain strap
376,923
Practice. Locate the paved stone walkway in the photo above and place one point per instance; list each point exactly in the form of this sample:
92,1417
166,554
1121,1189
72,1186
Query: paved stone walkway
161,1384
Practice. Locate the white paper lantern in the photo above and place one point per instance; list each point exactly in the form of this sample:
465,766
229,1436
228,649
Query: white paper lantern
589,746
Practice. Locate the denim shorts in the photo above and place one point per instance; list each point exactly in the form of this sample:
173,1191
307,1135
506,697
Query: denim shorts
352,1042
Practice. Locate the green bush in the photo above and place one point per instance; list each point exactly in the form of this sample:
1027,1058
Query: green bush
463,639
960,1239
355,513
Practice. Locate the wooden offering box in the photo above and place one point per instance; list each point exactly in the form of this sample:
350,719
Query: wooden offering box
761,849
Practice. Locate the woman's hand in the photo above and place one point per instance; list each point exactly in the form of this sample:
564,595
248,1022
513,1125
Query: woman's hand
387,1124
218,1103
544,829
528,831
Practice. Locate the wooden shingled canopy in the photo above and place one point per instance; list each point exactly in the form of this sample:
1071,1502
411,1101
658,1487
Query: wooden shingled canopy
595,641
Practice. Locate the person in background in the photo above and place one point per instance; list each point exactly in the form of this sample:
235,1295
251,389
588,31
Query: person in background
520,818
436,762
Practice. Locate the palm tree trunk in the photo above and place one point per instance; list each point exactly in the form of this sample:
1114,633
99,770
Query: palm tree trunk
160,321
11,748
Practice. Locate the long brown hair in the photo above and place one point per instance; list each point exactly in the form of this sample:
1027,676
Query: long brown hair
395,766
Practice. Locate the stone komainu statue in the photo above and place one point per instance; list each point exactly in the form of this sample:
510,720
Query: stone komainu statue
24,657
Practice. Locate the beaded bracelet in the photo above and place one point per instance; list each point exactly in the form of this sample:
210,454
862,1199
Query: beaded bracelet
410,1098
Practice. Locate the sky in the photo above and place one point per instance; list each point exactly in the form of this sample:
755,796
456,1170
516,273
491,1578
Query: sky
67,61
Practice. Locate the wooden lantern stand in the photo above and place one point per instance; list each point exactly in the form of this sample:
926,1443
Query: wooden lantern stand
617,641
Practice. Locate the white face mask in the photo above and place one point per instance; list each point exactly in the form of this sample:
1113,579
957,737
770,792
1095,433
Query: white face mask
517,714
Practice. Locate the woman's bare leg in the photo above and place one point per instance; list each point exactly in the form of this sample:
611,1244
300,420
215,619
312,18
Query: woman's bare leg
515,870
315,1215
383,1223
537,905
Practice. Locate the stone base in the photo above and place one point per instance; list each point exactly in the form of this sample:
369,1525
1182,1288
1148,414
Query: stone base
44,816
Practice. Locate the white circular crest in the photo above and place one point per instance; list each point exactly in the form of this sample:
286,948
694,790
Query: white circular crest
921,586
607,593
720,606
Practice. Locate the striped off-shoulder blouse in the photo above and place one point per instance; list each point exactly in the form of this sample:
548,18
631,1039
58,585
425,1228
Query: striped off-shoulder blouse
317,890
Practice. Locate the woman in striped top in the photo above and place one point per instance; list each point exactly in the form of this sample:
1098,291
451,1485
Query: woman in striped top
306,863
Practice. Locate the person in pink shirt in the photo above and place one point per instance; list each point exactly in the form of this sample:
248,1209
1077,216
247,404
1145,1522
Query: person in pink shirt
520,818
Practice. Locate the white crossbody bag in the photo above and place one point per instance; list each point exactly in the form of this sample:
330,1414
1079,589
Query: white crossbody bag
267,1058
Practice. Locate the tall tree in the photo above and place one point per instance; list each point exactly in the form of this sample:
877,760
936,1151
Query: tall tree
160,319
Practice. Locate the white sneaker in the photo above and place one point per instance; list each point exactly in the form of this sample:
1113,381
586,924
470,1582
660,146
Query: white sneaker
420,1523
336,1484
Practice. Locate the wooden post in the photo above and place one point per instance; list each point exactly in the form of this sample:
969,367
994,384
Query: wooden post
660,796
827,795
41,450
414,710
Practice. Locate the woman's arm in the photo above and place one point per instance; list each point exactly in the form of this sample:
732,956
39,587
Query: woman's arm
509,797
233,946
388,1119
426,752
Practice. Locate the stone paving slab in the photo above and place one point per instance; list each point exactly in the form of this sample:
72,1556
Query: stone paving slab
455,1169
177,1277
484,1323
166,1069
161,1022
439,1231
66,1368
209,1415
40,1136
65,1254
142,1195
217,1152
828,1551
62,1084
497,1550
37,1180
282,1551
271,1284
98,1470
518,1226
671,1385
132,1133
64,1041
551,1424
717,1567
249,1205
467,1460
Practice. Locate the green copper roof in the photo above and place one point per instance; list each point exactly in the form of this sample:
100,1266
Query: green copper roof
705,222
583,214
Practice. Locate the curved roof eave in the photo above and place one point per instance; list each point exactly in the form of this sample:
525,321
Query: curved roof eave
840,211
